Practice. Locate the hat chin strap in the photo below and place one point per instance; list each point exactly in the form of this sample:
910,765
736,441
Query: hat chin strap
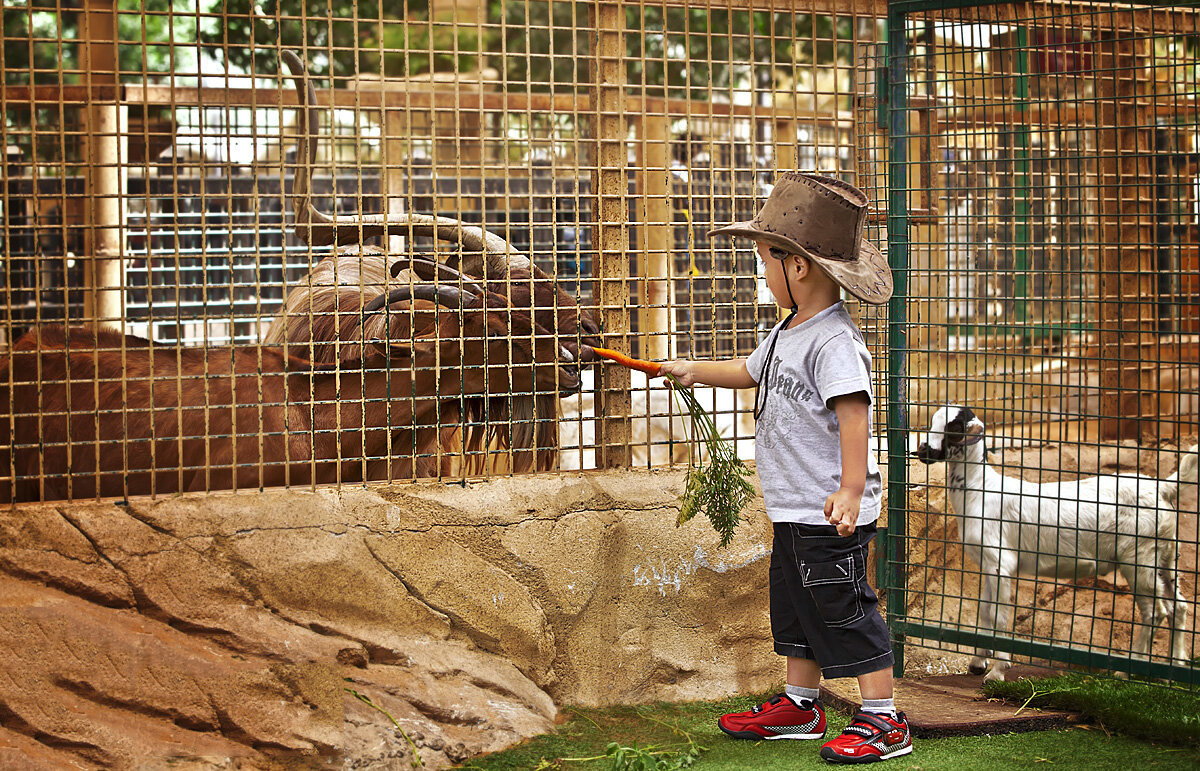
795,305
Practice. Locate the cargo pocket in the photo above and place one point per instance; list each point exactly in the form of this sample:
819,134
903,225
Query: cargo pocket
834,589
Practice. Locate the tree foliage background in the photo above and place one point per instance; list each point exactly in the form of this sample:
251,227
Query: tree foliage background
678,52
542,46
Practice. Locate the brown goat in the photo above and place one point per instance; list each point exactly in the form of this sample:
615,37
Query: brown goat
324,308
96,413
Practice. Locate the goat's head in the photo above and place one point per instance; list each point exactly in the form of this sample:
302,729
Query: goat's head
487,345
951,431
485,264
528,289
485,256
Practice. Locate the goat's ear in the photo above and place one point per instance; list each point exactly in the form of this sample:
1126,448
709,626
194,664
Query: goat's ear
391,349
965,435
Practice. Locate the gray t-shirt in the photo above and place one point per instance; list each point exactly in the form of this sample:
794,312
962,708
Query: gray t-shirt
797,447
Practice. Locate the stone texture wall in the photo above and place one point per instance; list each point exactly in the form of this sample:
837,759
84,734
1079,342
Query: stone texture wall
241,629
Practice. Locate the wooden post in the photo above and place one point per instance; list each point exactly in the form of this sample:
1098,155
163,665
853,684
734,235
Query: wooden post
106,149
611,237
396,150
928,283
654,260
786,156
1128,288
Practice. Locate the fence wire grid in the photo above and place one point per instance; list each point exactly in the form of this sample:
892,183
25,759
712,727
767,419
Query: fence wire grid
1039,161
160,168
190,238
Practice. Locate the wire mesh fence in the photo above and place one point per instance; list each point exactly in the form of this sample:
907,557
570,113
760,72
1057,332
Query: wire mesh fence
1048,215
268,285
161,163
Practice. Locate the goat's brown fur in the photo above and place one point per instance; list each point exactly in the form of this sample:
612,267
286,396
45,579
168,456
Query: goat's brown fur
322,311
326,311
96,413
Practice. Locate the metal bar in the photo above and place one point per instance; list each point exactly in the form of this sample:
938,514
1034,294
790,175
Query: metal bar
897,235
909,6
1081,657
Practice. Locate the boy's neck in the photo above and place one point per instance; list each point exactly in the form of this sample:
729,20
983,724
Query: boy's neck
812,304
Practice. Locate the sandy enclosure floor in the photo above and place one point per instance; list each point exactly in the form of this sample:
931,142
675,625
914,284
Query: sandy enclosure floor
943,585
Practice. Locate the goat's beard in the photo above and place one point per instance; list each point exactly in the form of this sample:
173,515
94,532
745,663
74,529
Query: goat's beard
478,435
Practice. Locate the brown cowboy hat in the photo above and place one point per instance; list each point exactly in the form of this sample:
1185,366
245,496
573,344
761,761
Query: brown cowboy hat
822,218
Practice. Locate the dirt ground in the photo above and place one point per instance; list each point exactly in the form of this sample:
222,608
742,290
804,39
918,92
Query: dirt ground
1098,613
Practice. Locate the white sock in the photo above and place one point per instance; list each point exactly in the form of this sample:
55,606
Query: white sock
799,694
880,706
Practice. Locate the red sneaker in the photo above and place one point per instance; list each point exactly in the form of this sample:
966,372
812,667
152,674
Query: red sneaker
778,718
868,738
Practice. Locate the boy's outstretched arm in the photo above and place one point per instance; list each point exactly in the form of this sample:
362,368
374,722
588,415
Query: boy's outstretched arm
730,373
854,426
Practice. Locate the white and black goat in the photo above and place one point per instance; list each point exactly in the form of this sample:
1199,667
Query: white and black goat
1064,530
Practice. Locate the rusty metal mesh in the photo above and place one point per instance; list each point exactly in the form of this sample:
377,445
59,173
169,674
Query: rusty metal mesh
152,155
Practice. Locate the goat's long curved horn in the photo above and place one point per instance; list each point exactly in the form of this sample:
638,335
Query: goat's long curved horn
445,296
318,229
306,155
429,270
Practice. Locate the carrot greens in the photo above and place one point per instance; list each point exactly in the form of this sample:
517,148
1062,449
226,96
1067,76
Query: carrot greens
721,488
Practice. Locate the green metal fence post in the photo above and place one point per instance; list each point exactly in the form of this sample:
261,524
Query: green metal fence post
897,239
1021,188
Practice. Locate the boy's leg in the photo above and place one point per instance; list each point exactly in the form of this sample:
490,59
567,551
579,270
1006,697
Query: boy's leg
877,693
803,672
877,731
803,682
796,713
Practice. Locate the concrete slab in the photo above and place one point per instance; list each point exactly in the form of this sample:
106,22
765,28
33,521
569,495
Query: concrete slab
953,705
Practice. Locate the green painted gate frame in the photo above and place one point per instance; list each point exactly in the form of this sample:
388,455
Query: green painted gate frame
891,576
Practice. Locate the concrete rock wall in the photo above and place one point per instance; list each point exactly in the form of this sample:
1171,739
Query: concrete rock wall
291,628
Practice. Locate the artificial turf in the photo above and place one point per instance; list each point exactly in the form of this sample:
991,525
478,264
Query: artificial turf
583,734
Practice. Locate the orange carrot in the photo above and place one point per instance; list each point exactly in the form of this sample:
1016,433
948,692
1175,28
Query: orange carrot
649,367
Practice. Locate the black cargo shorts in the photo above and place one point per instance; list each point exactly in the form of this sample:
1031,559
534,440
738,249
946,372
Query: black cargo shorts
822,607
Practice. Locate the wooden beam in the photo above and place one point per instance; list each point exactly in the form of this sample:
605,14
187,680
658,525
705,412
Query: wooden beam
1127,260
106,137
366,97
611,240
653,177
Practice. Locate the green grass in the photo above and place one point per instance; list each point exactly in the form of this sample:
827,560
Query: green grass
584,734
1136,709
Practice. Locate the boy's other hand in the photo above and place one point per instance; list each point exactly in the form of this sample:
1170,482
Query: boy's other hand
841,510
684,371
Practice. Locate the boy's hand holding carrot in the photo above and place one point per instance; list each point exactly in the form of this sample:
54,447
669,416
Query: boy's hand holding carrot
730,373
684,371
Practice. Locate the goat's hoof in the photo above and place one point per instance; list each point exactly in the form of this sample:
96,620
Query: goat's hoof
995,674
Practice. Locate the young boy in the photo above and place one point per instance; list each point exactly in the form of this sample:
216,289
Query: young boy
820,482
